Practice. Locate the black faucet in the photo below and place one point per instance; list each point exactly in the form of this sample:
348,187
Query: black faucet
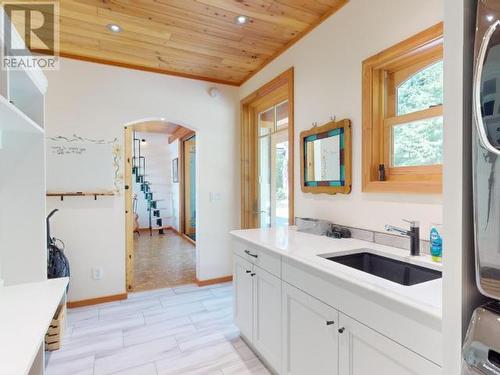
413,233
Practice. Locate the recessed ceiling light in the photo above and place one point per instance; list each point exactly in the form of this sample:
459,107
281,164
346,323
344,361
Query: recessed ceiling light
241,20
490,17
114,28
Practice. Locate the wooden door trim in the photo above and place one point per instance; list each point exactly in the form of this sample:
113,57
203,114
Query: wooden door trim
181,167
129,214
248,139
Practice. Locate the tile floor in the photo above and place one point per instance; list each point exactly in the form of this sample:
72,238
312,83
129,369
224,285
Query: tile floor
162,261
180,330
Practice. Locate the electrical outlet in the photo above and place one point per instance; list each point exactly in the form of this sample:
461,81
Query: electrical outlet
97,273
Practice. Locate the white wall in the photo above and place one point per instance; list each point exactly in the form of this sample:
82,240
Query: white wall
95,100
328,82
158,154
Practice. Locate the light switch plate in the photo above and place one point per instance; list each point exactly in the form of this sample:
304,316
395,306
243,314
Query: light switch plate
97,273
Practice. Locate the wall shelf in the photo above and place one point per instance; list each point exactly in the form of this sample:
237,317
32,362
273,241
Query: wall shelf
81,194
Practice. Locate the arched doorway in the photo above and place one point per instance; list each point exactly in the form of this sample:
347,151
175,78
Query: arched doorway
158,253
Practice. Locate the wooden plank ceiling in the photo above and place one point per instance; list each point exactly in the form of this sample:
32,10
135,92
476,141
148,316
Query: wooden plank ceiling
193,38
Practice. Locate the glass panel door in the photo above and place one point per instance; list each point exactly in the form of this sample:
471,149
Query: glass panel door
190,188
273,166
266,125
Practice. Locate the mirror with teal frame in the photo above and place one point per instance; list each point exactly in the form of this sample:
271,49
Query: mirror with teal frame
326,158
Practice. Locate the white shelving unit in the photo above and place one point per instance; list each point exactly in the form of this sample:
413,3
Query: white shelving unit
27,299
23,256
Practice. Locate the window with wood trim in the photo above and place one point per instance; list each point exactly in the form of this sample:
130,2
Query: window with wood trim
403,116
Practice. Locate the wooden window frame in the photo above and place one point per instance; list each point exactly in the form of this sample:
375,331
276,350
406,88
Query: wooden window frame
274,92
381,74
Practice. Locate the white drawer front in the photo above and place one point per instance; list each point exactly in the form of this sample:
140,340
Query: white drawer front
260,257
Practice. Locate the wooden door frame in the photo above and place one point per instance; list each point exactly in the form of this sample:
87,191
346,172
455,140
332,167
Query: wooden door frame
129,214
249,153
182,202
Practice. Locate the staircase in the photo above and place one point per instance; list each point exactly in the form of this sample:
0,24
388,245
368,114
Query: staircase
156,212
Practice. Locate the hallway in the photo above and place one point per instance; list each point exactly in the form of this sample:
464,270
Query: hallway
163,261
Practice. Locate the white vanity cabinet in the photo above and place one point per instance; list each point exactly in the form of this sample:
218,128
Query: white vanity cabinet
301,323
242,284
361,349
257,309
310,334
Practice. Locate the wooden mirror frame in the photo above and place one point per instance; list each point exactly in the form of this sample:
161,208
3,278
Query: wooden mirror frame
346,189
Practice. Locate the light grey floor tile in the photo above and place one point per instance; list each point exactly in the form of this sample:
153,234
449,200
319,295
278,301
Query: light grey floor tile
107,326
131,307
201,361
164,292
212,315
251,367
184,331
161,329
81,315
218,302
147,369
194,296
170,312
82,365
80,346
188,288
197,341
223,291
134,356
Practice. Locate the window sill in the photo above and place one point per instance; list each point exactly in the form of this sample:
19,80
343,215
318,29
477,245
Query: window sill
408,187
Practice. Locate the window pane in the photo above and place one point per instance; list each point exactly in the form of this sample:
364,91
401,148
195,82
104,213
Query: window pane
418,143
282,115
281,193
265,181
266,122
422,90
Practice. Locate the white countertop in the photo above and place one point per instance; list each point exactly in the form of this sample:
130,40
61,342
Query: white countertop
26,311
425,298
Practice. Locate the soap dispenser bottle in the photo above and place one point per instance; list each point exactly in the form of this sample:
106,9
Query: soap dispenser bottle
436,243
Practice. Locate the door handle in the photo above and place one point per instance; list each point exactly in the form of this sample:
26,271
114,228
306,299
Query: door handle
251,254
330,322
478,72
341,330
252,274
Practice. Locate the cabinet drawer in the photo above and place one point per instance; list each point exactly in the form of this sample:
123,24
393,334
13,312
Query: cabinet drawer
265,259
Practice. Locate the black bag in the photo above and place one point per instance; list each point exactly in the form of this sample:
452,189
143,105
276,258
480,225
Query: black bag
57,262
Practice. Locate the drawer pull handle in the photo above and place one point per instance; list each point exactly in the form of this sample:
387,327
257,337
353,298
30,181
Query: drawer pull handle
248,271
330,322
341,330
252,255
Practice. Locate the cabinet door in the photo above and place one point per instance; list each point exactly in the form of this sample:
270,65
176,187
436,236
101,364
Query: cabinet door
243,296
361,350
310,335
267,316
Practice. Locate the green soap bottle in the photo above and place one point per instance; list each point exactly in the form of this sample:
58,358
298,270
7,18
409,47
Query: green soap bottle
436,244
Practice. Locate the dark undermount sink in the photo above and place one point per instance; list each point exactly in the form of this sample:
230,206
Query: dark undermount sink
387,268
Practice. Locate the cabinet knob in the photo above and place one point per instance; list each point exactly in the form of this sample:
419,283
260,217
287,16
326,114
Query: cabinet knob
252,274
341,330
330,322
